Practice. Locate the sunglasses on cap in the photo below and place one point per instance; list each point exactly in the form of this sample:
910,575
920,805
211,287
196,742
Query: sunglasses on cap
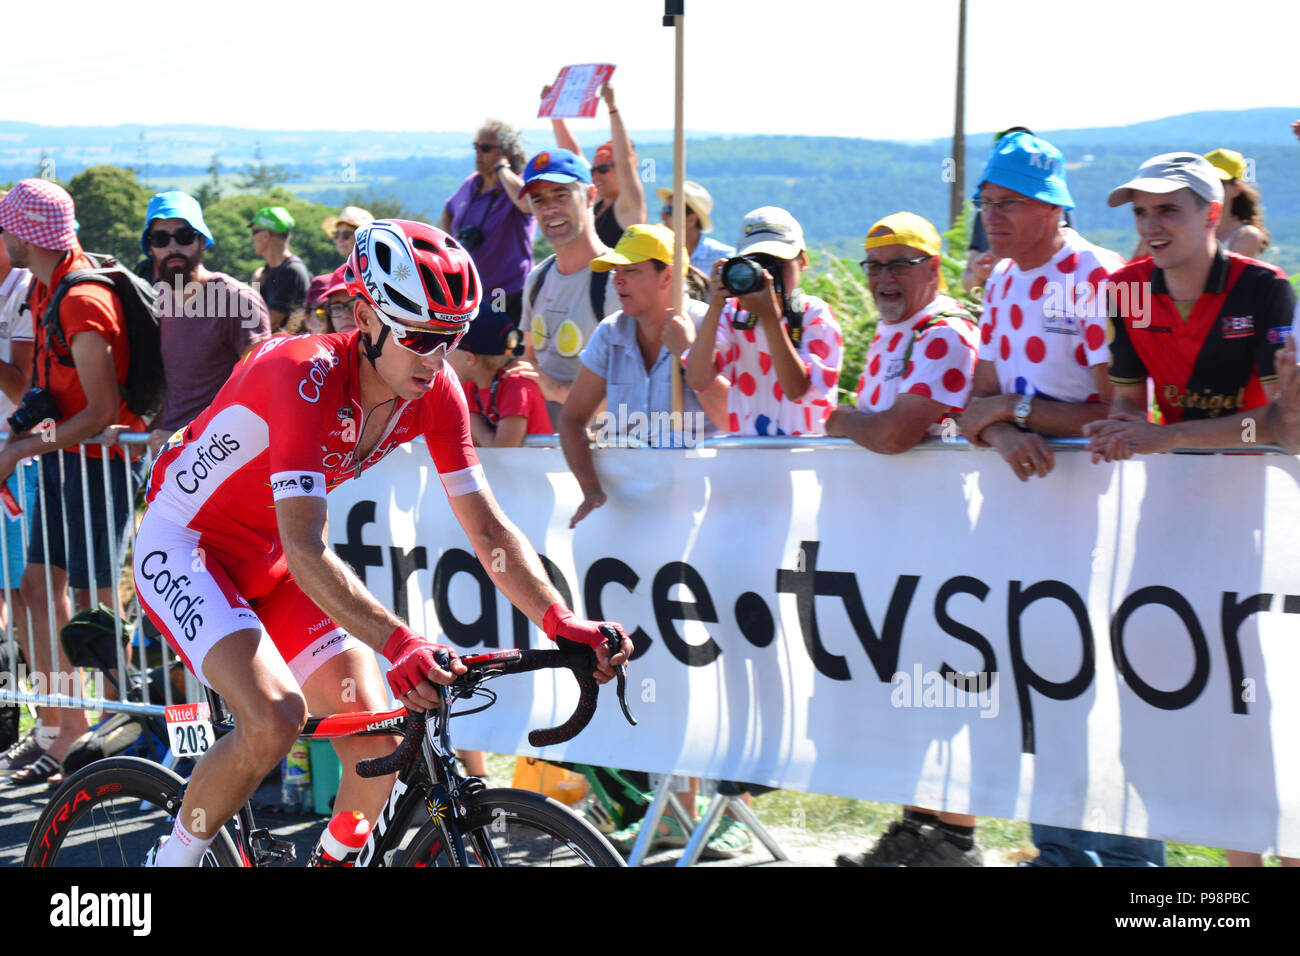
602,168
159,239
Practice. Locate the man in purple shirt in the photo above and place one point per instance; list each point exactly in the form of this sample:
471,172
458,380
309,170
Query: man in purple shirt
209,319
491,219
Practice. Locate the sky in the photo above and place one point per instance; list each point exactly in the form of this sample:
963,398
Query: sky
858,68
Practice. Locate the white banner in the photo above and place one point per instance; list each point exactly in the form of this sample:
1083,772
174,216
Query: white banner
1128,630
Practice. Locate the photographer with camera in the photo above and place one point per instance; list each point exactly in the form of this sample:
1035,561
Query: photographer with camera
779,348
491,219
69,404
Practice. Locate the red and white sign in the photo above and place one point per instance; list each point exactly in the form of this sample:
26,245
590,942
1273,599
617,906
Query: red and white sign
574,92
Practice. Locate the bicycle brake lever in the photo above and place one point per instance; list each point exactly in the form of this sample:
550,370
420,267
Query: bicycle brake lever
613,644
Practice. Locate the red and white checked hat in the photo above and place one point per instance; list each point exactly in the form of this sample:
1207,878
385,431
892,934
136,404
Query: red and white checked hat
40,212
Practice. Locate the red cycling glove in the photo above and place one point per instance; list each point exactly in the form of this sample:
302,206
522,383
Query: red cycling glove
411,658
560,622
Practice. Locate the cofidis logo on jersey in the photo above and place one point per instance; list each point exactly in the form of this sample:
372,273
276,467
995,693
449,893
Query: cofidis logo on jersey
309,385
206,455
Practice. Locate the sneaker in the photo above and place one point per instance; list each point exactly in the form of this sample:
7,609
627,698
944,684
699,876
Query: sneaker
731,838
938,849
24,752
625,839
901,841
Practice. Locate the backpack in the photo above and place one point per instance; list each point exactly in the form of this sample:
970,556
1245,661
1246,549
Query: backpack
595,290
145,384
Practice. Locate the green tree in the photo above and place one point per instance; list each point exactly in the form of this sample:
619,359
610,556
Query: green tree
110,209
232,250
210,192
262,176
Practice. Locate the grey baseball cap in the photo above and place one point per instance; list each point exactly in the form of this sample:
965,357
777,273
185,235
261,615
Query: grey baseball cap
1170,172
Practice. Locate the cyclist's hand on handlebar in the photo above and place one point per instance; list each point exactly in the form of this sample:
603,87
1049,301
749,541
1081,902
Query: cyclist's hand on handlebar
608,666
561,622
417,665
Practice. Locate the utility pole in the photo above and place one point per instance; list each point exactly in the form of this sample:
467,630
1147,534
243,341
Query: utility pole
957,199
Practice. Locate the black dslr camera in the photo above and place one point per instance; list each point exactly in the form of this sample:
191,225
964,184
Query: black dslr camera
742,275
471,237
37,406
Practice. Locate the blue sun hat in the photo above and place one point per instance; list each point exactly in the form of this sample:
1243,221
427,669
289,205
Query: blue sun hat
175,205
1031,166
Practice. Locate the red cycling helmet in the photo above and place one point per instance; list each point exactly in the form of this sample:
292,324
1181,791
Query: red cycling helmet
414,274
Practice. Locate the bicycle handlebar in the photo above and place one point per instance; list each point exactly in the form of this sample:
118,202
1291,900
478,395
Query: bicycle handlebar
514,661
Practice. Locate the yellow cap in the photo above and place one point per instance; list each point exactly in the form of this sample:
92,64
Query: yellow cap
639,243
1229,163
907,229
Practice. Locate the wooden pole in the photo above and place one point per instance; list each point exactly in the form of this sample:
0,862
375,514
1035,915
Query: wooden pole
957,199
680,255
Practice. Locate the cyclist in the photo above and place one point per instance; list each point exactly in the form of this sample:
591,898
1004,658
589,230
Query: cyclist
234,539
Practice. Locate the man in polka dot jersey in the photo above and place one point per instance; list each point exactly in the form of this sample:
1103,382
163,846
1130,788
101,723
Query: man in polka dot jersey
919,368
783,376
1043,370
921,364
1044,359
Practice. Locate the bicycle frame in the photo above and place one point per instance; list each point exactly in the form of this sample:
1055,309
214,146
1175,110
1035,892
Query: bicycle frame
432,781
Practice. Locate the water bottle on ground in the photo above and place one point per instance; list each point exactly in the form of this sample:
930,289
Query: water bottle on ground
295,779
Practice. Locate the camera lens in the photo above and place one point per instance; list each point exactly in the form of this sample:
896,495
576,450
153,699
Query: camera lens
742,275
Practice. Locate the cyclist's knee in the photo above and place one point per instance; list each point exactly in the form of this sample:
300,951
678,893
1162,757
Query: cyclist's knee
268,727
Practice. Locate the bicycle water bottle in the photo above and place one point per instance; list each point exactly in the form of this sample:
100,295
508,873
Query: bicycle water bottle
342,839
295,779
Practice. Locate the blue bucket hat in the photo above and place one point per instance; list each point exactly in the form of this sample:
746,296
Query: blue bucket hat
175,205
1030,166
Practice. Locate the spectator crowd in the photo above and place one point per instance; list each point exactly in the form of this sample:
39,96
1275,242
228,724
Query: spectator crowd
1181,346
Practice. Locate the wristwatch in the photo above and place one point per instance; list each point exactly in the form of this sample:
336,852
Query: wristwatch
1020,413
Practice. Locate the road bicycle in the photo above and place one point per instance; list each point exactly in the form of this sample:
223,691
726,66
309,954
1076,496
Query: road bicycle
111,812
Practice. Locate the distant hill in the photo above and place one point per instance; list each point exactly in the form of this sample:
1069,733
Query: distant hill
836,186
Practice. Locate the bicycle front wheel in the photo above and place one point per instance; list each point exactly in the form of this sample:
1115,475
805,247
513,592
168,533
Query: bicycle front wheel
514,828
110,813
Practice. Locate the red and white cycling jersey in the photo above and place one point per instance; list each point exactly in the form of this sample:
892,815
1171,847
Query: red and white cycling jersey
286,424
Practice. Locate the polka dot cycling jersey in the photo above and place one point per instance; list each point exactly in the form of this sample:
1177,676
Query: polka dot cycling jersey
757,405
287,423
931,353
1044,328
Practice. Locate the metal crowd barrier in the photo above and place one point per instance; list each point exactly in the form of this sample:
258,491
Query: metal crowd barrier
131,655
67,686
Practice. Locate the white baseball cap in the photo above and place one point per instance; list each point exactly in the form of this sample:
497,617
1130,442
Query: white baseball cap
770,230
1170,172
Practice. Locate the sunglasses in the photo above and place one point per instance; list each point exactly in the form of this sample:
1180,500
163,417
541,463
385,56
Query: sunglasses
344,233
423,342
159,239
602,168
666,211
1005,206
897,267
484,147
